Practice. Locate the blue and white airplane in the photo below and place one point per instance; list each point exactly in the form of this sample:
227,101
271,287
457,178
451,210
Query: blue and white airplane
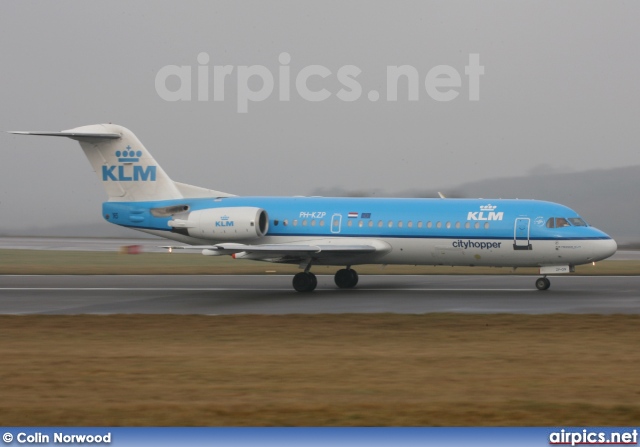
311,231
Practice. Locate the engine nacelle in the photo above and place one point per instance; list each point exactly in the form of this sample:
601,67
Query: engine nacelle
224,224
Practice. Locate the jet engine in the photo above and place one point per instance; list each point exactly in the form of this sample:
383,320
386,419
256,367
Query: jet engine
224,224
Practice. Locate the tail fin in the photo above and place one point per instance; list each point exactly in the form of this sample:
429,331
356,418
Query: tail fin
127,170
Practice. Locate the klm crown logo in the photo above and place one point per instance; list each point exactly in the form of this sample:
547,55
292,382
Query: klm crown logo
487,207
128,155
128,172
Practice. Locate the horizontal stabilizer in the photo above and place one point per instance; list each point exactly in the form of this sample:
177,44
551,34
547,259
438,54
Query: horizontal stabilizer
74,135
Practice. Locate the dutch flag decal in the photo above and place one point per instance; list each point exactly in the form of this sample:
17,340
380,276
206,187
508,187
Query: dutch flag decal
353,215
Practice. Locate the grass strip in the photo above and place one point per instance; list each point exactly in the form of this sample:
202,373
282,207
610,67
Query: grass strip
48,262
320,370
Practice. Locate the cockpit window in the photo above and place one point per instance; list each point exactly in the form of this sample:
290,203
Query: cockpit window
577,222
559,222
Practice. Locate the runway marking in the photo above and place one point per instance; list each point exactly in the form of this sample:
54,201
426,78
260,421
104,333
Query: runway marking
329,275
142,289
227,289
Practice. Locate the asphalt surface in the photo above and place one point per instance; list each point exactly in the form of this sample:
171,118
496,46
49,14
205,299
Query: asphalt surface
273,295
147,245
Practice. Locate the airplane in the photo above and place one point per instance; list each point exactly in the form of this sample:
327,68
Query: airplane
314,231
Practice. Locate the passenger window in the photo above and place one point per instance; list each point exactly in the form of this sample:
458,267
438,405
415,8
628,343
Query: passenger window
467,225
439,225
390,224
419,224
457,224
322,223
285,222
486,225
295,222
360,224
313,222
276,222
476,225
370,223
429,224
304,223
380,224
448,224
349,223
410,224
399,224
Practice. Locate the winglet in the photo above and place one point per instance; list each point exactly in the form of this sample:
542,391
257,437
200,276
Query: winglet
441,195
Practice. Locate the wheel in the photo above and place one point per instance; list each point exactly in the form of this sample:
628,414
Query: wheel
314,281
305,282
542,283
354,277
343,278
346,278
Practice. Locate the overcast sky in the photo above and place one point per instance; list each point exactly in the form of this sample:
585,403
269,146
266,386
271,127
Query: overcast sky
560,92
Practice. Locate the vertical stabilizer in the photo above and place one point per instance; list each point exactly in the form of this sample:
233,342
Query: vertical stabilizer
126,169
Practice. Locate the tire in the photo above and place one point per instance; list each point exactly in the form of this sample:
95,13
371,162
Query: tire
346,278
542,283
305,282
314,281
354,278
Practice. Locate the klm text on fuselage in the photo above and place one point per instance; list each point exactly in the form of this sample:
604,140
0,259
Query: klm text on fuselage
480,215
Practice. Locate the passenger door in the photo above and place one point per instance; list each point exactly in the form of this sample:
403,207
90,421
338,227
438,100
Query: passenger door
521,233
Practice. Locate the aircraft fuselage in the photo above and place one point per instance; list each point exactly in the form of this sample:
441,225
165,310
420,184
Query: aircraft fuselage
470,232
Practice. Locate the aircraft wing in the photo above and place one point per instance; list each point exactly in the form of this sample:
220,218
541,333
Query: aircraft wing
322,250
291,249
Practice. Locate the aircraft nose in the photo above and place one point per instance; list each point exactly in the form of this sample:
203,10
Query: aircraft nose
604,248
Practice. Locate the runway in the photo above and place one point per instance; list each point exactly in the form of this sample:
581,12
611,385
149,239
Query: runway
273,295
147,245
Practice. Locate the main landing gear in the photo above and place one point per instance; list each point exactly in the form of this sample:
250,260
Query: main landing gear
346,278
543,283
307,281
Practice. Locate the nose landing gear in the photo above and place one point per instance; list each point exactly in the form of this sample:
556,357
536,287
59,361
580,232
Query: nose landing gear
543,283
